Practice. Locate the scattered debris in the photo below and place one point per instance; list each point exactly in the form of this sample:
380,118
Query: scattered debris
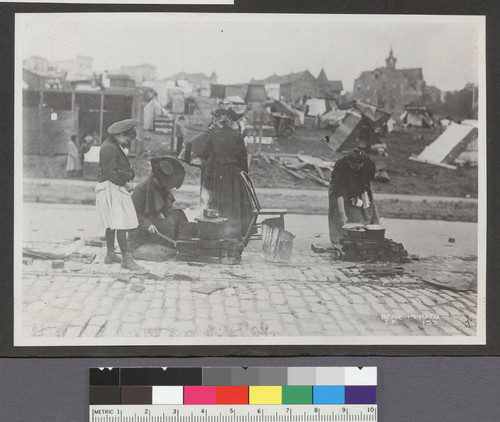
137,288
381,270
450,273
382,176
229,260
315,247
302,166
98,243
244,277
182,277
207,290
379,149
30,253
27,261
58,264
124,278
153,276
196,264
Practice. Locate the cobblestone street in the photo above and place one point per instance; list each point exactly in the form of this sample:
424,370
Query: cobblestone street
313,297
181,302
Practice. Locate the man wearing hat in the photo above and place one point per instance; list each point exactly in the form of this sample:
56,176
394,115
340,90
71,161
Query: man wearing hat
113,192
350,194
154,203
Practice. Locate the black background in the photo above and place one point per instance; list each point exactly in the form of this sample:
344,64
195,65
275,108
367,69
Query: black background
488,8
492,13
411,389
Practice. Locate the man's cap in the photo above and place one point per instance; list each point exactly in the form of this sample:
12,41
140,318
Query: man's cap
88,138
169,170
356,156
122,126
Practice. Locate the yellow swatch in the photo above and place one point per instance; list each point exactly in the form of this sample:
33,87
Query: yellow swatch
258,394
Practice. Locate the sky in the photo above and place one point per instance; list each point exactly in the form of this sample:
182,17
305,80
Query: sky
450,50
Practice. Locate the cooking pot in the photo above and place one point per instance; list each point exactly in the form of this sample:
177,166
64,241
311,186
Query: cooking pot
374,232
354,231
210,228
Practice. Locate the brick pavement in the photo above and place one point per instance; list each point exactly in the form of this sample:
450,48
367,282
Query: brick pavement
314,296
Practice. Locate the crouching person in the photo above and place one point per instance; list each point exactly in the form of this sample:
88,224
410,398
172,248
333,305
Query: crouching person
154,204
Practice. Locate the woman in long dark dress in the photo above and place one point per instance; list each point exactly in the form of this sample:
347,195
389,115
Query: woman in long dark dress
350,194
221,184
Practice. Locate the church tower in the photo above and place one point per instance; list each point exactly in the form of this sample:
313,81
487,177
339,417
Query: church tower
391,61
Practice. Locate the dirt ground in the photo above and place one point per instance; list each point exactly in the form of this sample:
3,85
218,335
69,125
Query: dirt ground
407,177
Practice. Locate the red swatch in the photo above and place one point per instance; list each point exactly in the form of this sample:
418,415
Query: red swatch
232,395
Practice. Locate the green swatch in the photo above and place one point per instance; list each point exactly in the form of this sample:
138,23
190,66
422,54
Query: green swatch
297,394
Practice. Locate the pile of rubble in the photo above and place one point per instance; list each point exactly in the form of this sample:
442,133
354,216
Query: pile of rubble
374,250
303,166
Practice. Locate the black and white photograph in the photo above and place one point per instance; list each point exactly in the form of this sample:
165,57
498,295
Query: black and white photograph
249,179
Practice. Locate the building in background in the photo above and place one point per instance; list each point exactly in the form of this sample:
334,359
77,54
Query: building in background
390,88
36,64
116,80
139,73
195,83
76,70
38,73
296,87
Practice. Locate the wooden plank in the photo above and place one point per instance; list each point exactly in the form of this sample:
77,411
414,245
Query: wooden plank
434,163
296,166
320,172
316,179
293,173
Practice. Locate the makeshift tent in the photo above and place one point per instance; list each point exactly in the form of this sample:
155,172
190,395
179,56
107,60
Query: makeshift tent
256,94
417,117
233,99
316,107
469,122
332,118
151,110
356,131
458,143
283,108
377,116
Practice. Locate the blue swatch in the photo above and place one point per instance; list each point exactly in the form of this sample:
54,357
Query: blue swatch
328,394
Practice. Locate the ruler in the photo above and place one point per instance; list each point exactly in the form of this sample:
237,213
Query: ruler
233,413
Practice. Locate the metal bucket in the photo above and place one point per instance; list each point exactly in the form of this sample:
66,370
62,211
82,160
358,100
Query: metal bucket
277,244
374,232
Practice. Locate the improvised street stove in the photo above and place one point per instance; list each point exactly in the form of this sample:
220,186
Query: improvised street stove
368,244
204,239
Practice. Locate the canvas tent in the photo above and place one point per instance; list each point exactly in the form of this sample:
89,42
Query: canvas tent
283,108
417,117
356,131
377,116
457,144
316,107
332,118
151,110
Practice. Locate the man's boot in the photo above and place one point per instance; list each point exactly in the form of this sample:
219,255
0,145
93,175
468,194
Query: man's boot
112,257
129,264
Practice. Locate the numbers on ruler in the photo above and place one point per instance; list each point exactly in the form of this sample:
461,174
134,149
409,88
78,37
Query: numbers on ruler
335,413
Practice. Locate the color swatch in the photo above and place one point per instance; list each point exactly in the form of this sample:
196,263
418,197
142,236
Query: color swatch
227,385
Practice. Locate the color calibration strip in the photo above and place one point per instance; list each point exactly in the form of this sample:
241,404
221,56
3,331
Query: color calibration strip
233,386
